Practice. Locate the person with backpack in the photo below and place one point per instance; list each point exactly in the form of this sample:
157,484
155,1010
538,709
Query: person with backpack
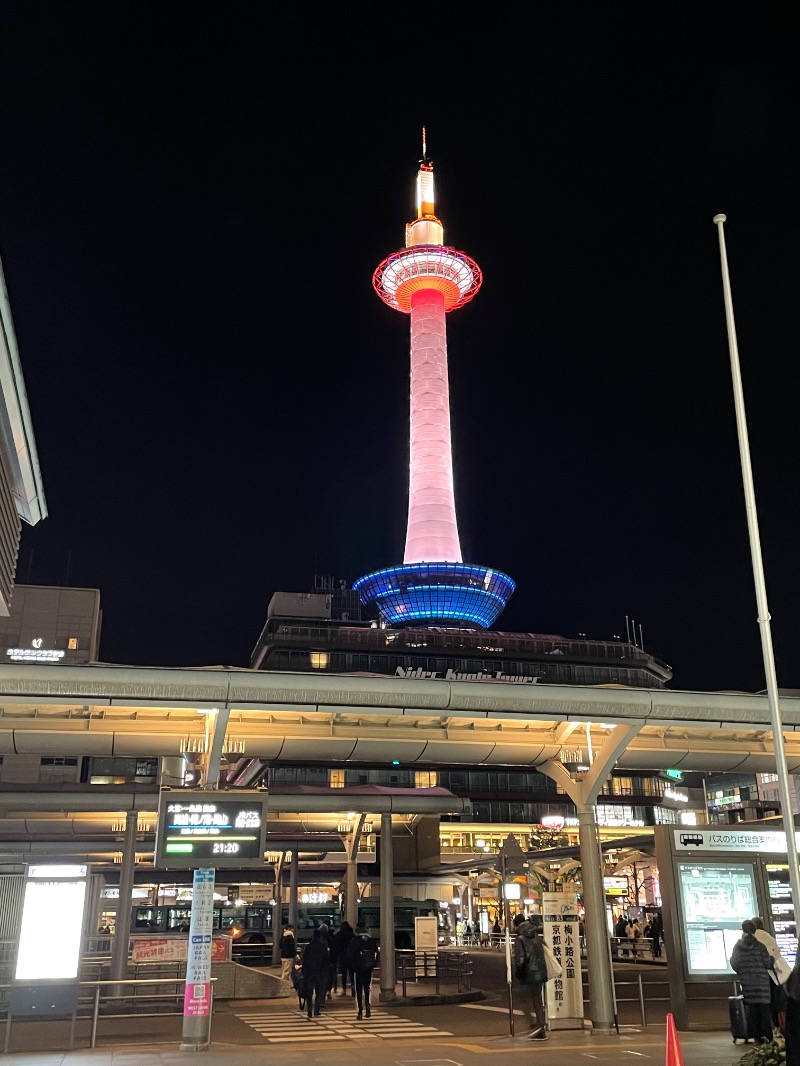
530,970
361,956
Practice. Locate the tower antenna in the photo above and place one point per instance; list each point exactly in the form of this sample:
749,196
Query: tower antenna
424,146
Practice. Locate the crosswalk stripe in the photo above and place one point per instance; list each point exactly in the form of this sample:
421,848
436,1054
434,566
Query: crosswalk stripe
334,1025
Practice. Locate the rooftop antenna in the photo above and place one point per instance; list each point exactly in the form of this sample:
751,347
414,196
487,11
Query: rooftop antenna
424,146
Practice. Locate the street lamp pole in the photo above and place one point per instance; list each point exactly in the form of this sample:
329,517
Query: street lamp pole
758,576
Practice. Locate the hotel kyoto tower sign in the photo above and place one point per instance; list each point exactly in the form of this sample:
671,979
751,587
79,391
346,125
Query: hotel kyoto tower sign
427,281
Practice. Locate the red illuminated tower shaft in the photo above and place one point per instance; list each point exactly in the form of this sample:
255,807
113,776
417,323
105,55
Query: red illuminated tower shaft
432,531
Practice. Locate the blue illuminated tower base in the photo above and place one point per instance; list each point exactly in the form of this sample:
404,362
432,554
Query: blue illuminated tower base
451,594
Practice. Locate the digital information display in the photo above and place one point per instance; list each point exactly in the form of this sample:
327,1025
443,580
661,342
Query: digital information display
782,910
716,898
210,829
52,923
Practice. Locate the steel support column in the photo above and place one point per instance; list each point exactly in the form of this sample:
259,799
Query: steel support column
119,948
388,968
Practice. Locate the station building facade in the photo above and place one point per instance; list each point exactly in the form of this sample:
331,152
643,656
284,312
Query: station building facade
324,631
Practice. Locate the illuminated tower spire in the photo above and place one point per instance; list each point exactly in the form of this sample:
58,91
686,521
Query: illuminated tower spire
427,280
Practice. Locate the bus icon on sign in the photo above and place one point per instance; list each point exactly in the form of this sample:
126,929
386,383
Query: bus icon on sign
691,838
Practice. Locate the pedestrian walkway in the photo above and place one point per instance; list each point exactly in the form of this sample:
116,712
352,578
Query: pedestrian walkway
568,1048
335,1025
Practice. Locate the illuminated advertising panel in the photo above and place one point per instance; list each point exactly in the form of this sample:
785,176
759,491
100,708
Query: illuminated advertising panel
52,923
782,910
210,829
717,897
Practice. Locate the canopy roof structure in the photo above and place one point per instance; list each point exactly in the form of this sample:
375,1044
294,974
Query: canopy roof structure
330,720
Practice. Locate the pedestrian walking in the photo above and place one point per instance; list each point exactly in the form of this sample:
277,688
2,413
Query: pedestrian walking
316,960
497,932
362,954
287,948
342,938
657,927
752,963
330,981
299,982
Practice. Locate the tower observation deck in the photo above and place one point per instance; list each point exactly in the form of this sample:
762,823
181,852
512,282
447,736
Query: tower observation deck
428,280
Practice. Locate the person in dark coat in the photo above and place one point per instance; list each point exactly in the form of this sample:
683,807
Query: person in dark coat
287,946
751,962
497,932
362,954
298,982
792,1030
316,960
657,933
327,935
530,967
342,938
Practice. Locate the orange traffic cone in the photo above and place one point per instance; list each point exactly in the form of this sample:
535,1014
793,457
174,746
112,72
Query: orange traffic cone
674,1056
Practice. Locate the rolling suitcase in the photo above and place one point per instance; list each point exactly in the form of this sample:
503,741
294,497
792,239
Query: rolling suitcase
738,1013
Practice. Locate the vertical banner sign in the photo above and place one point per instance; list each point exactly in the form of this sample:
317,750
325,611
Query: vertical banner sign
562,936
197,998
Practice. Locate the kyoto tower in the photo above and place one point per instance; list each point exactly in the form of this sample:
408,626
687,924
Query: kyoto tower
427,280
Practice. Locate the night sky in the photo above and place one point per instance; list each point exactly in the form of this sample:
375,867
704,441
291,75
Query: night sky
193,198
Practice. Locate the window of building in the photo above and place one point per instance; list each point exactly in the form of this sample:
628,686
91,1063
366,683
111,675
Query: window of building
336,779
426,779
122,771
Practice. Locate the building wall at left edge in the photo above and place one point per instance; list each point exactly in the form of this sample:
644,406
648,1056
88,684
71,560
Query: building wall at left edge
21,491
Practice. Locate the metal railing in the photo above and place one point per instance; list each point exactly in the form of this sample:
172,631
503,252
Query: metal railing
438,967
255,954
639,997
141,999
622,948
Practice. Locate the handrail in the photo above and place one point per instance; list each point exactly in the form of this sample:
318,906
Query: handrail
95,1000
443,967
641,946
640,993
